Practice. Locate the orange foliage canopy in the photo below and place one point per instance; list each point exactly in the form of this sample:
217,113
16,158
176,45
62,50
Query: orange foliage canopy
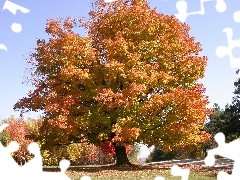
133,77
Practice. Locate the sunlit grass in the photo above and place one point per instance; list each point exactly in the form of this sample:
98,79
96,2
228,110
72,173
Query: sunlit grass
134,173
143,174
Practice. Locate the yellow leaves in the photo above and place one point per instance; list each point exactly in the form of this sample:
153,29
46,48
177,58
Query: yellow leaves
62,122
135,89
53,28
136,70
52,107
117,48
75,150
102,136
72,71
113,67
187,109
110,99
56,29
137,75
125,134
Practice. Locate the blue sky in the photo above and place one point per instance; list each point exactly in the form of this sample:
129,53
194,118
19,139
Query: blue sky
207,29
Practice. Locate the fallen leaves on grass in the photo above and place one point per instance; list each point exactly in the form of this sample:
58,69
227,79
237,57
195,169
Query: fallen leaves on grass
137,171
200,168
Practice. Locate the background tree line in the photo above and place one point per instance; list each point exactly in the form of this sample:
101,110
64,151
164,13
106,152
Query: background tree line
227,120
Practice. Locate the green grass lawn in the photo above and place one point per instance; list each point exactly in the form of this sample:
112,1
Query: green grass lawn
134,173
144,174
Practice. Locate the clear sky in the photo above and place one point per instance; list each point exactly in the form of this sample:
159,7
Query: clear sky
206,28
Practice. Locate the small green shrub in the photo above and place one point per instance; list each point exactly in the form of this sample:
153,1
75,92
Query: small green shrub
159,155
134,154
4,138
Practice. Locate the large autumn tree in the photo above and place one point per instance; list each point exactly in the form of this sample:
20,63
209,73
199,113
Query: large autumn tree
133,77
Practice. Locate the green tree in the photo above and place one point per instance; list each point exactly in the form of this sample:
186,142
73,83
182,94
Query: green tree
216,122
158,155
132,78
134,153
227,120
4,138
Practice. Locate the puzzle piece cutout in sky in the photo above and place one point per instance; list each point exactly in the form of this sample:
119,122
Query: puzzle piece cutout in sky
227,150
182,6
12,7
222,51
16,27
236,16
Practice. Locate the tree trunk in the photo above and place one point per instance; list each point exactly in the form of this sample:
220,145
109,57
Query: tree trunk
121,155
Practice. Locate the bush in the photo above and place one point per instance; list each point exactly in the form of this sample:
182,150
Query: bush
77,154
25,132
17,131
4,138
159,155
191,151
134,154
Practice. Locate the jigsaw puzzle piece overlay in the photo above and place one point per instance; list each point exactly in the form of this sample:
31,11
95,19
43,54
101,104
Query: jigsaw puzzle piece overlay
7,164
222,51
16,27
177,171
32,169
3,47
12,7
34,166
85,178
227,150
182,6
236,16
159,178
64,164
